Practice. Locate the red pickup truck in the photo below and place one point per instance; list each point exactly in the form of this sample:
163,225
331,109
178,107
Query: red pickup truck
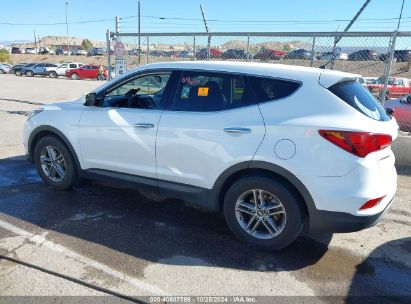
397,87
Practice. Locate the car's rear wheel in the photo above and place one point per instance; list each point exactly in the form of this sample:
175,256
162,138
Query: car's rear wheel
29,73
263,212
17,73
74,76
54,163
53,74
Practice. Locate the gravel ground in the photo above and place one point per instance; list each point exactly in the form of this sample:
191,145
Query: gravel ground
99,240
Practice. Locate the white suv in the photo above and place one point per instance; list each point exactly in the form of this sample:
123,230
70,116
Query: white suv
276,148
62,68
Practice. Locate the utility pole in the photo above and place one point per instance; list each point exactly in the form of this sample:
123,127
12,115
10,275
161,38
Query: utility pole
35,39
209,36
139,32
67,31
337,39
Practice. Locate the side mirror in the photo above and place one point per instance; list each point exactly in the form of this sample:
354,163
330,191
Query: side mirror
389,111
91,100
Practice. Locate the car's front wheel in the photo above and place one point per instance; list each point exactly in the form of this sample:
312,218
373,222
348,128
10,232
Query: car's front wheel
29,73
54,163
263,212
74,76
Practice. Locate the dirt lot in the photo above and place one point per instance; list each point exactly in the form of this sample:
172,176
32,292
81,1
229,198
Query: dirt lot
100,240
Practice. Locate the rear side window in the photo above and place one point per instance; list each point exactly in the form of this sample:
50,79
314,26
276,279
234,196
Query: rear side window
266,89
207,91
360,99
73,66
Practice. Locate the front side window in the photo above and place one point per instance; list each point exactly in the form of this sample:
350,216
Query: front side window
63,66
144,92
206,91
399,83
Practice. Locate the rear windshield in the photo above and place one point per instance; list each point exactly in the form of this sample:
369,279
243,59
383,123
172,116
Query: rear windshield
360,99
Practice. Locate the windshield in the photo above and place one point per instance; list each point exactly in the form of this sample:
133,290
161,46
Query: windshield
382,79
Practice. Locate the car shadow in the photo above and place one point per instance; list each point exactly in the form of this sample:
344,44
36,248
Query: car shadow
165,231
383,277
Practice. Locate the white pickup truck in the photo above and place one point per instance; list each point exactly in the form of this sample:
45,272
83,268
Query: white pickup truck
62,68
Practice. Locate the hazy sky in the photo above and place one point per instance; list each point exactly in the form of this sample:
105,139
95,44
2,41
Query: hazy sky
224,15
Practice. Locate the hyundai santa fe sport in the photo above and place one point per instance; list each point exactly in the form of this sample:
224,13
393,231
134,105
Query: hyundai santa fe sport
277,149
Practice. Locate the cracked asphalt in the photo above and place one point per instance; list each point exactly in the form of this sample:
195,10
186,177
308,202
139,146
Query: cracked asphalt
102,240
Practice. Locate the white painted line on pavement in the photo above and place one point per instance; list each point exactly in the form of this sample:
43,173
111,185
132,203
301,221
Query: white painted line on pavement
41,240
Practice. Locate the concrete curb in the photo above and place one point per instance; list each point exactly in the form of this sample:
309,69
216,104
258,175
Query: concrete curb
402,151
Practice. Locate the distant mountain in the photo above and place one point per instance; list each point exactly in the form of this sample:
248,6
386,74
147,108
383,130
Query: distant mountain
10,42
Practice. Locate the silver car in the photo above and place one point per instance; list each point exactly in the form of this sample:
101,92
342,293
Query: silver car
4,68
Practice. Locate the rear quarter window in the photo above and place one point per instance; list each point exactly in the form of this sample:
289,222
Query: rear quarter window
355,95
267,89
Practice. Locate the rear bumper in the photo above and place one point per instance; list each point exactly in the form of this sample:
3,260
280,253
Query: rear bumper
331,221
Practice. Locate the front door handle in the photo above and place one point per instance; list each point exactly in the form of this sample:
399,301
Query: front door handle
237,130
144,125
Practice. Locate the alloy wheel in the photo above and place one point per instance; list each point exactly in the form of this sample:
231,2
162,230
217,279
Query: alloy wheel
260,213
53,163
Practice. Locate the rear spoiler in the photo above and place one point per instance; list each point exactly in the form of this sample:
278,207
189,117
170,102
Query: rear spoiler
329,78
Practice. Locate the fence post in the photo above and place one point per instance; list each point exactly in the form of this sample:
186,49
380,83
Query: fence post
208,46
148,48
312,52
248,49
108,54
194,47
388,67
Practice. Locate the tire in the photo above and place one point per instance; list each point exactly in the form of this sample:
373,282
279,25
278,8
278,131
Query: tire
74,76
288,220
1,71
29,73
63,160
17,73
53,74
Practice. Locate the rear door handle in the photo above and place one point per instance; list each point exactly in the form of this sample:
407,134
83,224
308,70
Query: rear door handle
237,130
144,125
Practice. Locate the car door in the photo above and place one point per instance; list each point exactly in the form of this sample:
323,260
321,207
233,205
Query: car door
212,125
119,135
61,70
39,69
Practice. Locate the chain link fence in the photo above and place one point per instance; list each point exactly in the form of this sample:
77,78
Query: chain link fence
382,59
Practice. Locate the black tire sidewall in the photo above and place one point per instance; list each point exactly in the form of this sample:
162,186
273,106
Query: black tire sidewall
71,171
290,201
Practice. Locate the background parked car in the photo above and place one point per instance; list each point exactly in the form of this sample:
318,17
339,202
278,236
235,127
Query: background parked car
86,71
37,69
96,52
62,68
397,87
363,55
299,54
234,54
270,54
4,69
30,51
16,69
399,56
203,53
329,55
44,50
81,52
16,50
402,111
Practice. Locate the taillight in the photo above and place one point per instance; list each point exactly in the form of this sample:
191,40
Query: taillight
357,143
371,203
